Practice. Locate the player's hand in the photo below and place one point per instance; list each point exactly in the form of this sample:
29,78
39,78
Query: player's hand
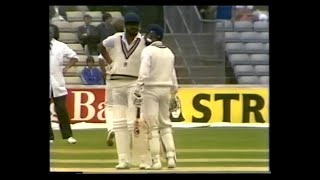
174,103
137,98
65,70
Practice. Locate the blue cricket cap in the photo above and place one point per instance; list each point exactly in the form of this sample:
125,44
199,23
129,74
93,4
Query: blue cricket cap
156,29
131,17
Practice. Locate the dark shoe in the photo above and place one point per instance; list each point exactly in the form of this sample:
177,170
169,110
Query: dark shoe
110,138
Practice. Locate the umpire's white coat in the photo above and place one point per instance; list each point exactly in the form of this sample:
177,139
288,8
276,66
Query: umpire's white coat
58,52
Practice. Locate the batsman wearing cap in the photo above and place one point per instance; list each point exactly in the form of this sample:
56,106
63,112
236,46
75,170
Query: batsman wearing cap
156,90
125,50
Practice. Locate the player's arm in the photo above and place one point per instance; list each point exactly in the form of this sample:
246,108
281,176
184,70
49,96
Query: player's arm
107,44
72,56
102,64
145,66
174,103
175,86
143,74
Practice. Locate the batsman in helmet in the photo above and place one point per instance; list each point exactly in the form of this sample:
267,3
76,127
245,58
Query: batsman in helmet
156,90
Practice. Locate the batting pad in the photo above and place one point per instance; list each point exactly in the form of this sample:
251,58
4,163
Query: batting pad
130,126
131,115
123,144
108,115
140,145
122,135
168,142
163,153
154,143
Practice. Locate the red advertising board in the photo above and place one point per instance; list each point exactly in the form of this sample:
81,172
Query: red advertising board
84,105
87,104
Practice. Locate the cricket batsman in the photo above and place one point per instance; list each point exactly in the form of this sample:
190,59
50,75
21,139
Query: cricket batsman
156,91
127,47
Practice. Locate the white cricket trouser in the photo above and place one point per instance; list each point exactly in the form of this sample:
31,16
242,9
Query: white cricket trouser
122,96
155,110
124,114
108,109
155,107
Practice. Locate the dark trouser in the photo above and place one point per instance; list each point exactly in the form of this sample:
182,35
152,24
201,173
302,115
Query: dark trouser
93,49
92,45
63,117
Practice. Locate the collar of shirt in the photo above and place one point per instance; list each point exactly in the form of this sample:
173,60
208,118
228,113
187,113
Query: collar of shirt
157,43
53,40
124,39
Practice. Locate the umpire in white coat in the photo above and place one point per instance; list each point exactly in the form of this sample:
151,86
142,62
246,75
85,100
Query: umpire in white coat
58,91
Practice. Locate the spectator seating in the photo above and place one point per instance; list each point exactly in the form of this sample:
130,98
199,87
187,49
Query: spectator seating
68,37
244,70
74,16
96,15
264,79
77,48
248,79
246,37
259,59
261,70
115,14
64,26
228,26
261,26
240,26
247,50
239,59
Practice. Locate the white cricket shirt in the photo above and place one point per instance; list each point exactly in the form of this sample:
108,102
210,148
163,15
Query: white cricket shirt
157,66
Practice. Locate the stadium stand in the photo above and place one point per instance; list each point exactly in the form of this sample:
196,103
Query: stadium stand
68,38
248,79
243,26
199,58
96,15
247,50
239,59
74,16
261,26
77,48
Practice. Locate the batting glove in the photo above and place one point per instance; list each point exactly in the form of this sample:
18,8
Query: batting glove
137,98
174,104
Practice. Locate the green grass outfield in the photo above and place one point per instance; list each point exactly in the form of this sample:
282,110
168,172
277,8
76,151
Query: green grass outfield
221,149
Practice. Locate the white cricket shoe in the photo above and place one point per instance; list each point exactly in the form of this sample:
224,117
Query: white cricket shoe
71,140
51,141
171,162
144,166
123,165
155,166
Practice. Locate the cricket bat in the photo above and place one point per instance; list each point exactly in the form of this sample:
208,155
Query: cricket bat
140,142
136,129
